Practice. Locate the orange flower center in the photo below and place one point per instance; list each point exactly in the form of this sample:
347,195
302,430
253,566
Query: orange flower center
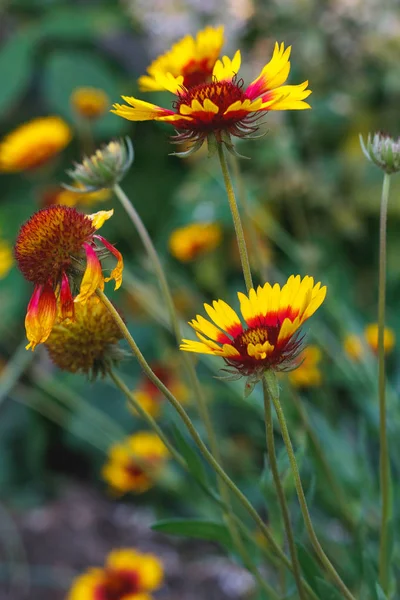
256,335
118,585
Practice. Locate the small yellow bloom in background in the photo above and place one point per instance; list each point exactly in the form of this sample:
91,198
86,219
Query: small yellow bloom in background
126,575
33,144
6,259
89,102
193,58
134,464
371,335
353,346
191,241
149,396
307,373
71,198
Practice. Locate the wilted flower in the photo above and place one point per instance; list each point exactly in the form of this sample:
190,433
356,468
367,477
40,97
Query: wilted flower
382,150
105,168
308,373
127,575
354,345
270,339
73,196
223,106
87,344
89,102
32,144
59,251
188,242
134,464
6,258
149,396
193,58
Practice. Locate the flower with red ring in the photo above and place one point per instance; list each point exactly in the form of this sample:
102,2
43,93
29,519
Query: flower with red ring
59,251
270,339
222,106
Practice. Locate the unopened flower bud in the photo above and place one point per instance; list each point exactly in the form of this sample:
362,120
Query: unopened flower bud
382,150
103,169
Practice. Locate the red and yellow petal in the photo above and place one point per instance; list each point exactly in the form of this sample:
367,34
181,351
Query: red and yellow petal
224,317
93,276
226,69
98,219
66,299
139,110
41,315
116,273
201,325
274,74
287,97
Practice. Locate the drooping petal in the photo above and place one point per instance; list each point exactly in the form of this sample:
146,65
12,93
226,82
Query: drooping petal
226,69
66,299
98,219
194,346
139,110
273,75
93,276
116,273
287,97
41,315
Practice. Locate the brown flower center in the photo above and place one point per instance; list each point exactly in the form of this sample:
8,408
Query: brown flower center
256,335
118,585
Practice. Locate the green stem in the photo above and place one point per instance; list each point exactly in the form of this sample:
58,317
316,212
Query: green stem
196,437
303,504
14,368
384,460
244,259
271,389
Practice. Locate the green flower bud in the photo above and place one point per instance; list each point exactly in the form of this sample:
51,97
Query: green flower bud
382,150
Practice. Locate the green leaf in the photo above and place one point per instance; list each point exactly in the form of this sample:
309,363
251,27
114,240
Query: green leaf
195,528
327,591
16,58
192,458
380,593
309,566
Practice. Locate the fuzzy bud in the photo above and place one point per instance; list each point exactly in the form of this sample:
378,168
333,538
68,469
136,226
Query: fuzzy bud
382,150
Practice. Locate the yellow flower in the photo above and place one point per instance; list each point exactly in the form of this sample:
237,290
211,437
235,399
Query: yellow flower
371,336
33,144
188,242
134,464
353,346
126,575
6,259
271,337
89,102
193,58
67,197
149,396
224,106
307,373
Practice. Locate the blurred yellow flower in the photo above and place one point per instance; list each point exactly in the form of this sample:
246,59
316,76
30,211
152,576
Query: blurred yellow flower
126,575
307,373
34,143
70,198
354,345
89,102
188,242
6,259
149,396
134,464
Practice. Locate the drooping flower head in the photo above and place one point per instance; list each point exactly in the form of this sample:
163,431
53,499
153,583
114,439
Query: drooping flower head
59,250
89,343
127,575
34,143
191,241
223,106
270,338
308,373
89,102
134,464
383,150
193,58
149,396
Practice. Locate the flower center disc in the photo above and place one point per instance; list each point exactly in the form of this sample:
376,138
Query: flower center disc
118,585
222,93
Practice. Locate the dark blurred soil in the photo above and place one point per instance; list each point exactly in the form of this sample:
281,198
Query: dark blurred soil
60,540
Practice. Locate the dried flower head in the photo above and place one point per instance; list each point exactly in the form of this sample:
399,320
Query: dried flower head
59,251
191,241
87,344
223,106
270,339
149,396
308,373
134,464
105,168
193,58
33,144
126,575
382,150
89,102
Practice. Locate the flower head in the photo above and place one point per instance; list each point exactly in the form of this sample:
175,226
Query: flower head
188,242
354,345
74,196
89,102
382,150
270,337
192,58
149,396
6,259
308,373
34,143
135,464
222,106
127,575
59,250
105,168
89,343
